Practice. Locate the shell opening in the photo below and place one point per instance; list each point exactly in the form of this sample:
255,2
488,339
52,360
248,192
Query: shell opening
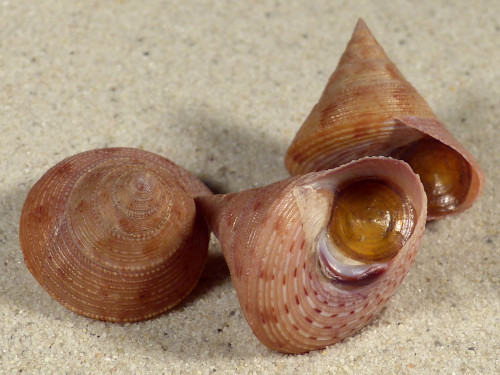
370,222
445,174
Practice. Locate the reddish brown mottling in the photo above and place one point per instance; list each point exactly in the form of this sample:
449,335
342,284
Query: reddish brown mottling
277,226
40,213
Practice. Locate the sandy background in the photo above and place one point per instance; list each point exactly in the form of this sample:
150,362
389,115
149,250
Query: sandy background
221,88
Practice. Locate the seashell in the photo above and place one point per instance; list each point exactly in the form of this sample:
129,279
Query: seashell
313,258
368,108
113,234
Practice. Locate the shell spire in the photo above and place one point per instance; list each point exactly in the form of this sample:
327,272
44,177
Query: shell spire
308,269
368,108
364,46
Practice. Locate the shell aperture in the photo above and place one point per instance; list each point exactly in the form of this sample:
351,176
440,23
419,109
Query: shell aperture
445,174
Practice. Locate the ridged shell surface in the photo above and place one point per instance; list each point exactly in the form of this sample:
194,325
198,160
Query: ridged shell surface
113,234
366,109
271,237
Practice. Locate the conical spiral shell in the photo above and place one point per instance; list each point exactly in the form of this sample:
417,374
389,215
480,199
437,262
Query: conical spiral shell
271,239
366,109
113,234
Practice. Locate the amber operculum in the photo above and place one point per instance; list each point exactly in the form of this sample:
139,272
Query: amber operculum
445,174
370,222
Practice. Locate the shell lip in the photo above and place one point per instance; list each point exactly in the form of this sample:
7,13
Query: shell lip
356,274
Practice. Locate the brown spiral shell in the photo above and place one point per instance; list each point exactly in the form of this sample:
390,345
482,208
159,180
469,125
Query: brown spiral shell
113,233
293,295
368,108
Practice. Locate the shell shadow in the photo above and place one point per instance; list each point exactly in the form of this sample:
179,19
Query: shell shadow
214,273
225,153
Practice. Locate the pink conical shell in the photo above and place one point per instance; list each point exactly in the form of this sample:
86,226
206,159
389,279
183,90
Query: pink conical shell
368,108
271,238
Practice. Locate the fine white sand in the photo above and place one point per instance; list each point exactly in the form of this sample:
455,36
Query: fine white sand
221,87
